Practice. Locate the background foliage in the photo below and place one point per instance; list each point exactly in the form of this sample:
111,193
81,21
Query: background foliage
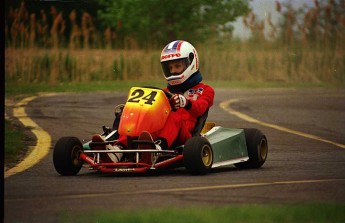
153,23
95,40
117,23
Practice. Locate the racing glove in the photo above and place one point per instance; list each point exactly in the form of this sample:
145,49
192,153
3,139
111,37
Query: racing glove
178,101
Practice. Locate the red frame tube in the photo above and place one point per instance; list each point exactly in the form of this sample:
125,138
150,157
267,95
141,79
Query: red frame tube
127,166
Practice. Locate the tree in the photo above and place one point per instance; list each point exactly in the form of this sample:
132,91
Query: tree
152,23
319,24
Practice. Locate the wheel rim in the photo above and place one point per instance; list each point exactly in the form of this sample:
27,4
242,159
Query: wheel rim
206,155
263,149
75,155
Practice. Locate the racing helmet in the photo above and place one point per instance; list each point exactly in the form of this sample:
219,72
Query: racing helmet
179,50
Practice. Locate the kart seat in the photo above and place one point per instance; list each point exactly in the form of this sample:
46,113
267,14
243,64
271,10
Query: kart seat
200,124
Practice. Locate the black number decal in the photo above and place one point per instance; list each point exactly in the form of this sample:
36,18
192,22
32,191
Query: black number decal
150,98
138,95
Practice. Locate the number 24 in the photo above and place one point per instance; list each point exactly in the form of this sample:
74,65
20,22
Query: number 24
138,95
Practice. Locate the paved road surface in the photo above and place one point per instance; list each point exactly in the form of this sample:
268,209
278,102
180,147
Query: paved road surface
298,169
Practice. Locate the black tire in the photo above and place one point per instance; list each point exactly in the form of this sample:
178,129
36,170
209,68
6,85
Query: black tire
198,155
66,156
257,147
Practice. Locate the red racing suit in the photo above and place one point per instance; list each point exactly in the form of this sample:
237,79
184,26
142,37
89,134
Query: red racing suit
180,123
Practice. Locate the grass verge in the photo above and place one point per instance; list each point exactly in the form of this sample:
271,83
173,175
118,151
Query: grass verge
14,142
16,89
283,213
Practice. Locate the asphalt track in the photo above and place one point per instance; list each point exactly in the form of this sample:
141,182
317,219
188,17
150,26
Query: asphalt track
306,160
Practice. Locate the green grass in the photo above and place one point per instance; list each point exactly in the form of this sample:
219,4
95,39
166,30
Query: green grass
13,142
18,89
240,213
267,84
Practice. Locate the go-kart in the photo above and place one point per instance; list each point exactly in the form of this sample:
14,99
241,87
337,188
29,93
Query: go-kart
147,109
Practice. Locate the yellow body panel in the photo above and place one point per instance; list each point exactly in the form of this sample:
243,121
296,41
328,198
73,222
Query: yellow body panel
146,109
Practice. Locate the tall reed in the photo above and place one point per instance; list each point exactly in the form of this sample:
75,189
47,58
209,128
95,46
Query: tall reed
308,46
221,63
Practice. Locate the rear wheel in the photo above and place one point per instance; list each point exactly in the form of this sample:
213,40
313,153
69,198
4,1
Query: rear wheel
198,155
257,147
66,156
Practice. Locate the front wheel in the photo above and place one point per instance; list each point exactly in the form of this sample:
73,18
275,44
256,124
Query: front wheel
66,156
198,155
257,148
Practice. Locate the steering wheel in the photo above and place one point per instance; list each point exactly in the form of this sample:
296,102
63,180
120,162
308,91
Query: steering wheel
168,94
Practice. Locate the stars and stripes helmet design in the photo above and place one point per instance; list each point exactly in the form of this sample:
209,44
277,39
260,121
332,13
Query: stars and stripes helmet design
179,50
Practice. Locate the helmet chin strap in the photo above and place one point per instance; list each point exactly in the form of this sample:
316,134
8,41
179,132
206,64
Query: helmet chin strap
189,83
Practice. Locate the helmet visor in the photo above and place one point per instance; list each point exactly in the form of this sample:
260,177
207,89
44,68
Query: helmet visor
174,67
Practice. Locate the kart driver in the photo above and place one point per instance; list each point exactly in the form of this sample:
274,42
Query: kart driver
191,98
